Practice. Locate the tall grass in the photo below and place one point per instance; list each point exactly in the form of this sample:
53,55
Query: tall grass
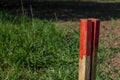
45,51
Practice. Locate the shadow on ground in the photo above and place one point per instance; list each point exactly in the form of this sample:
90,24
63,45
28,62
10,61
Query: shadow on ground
65,10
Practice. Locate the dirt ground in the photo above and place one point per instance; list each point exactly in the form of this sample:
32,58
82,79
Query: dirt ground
109,31
112,67
110,38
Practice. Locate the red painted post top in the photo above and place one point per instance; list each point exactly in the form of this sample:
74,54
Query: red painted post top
85,37
96,24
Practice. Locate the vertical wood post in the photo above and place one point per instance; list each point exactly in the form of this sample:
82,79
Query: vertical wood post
85,49
89,36
95,40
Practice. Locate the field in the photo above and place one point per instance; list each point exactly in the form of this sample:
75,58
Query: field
45,46
33,49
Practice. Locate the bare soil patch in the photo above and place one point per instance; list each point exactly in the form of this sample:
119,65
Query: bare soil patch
109,32
110,38
112,67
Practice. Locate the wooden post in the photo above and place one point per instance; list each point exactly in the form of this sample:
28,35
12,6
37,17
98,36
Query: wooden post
95,40
89,37
85,49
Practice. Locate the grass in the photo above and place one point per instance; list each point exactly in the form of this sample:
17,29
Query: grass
41,50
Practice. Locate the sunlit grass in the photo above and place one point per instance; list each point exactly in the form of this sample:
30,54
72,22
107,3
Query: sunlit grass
41,51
